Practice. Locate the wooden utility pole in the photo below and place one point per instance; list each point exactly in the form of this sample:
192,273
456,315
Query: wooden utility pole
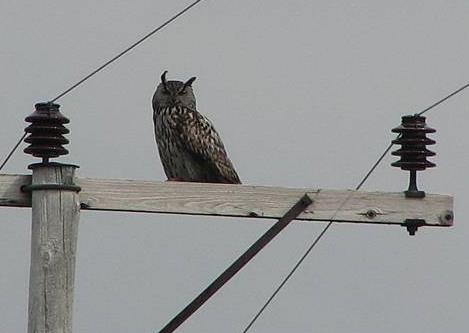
55,214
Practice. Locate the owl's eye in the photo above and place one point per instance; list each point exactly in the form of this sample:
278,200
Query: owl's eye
182,92
165,92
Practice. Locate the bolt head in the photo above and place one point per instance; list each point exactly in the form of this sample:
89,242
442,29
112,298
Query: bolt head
446,217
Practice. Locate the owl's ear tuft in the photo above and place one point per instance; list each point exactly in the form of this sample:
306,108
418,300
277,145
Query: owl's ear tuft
189,82
163,79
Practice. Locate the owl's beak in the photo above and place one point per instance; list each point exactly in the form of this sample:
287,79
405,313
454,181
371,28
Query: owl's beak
174,100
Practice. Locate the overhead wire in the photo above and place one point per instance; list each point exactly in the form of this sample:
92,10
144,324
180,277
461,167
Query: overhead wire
330,222
443,99
12,151
104,65
110,61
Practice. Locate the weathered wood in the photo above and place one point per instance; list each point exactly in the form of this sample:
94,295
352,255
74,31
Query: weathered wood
244,201
10,191
55,215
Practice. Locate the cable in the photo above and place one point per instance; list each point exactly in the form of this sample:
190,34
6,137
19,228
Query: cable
318,238
107,63
303,257
378,161
126,50
316,241
444,99
12,151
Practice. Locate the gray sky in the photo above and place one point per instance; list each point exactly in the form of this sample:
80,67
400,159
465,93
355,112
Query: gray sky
304,94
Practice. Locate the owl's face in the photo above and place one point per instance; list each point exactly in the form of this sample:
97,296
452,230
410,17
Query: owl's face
174,93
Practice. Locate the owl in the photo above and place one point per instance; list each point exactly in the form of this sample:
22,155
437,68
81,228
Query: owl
189,146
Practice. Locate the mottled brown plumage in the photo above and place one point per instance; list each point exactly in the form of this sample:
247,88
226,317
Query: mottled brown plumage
189,146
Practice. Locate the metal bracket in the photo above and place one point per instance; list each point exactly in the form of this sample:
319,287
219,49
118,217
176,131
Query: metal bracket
412,225
63,187
50,164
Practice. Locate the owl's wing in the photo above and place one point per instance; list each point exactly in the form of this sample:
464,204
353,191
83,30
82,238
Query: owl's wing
201,139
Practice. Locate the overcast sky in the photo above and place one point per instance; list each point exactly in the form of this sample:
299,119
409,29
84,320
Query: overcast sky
304,94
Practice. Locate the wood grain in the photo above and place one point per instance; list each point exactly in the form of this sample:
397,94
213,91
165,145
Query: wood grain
55,215
245,201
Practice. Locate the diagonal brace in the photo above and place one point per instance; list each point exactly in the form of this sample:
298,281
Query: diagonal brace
236,266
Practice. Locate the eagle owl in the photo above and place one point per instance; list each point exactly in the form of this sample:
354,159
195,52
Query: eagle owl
189,146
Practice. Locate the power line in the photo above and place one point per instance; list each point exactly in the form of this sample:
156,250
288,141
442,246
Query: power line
12,151
444,99
303,257
100,68
372,169
107,63
318,238
316,241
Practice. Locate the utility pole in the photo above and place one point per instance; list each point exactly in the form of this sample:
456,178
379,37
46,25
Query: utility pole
55,214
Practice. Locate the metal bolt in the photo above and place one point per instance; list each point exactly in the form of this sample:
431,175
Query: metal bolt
446,217
256,213
372,213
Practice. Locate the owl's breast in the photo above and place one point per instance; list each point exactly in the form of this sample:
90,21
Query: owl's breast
176,159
